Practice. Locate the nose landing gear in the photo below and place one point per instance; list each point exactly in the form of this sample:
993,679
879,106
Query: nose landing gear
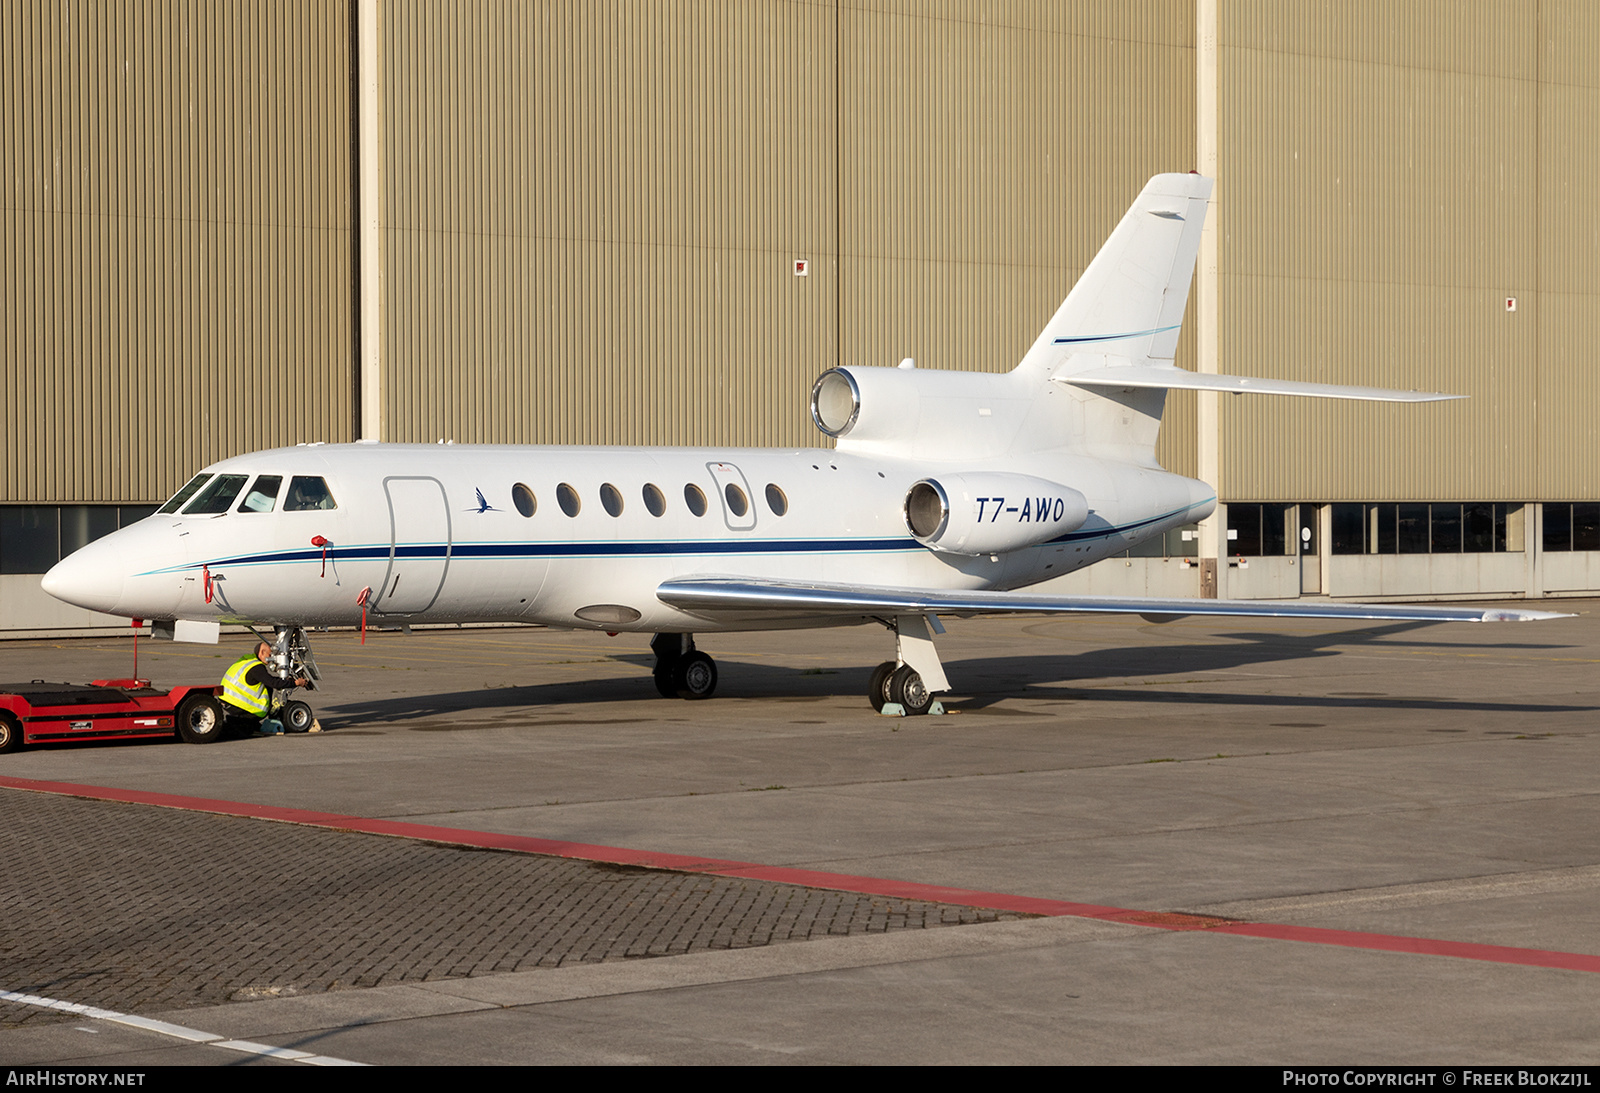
292,659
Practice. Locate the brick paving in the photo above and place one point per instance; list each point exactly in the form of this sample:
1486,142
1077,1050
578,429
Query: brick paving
142,909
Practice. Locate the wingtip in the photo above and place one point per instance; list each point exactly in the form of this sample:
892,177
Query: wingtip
1507,615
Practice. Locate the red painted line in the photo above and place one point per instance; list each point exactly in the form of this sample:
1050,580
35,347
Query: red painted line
841,882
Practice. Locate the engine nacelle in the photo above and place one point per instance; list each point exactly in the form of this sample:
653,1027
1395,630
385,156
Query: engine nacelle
921,413
991,513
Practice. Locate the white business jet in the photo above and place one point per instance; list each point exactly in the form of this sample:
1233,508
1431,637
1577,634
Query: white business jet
946,494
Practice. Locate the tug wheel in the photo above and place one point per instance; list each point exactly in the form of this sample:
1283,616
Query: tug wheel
10,733
200,719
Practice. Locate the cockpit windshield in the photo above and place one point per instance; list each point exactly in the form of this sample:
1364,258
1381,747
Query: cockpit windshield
307,492
217,496
184,494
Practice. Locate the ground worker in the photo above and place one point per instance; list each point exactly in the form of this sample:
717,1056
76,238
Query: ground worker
247,688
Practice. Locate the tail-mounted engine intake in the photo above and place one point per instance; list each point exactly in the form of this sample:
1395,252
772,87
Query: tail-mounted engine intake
991,513
916,412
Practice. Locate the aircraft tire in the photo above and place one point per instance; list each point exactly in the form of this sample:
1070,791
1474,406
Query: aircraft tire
906,687
665,687
695,676
10,734
878,684
200,719
296,716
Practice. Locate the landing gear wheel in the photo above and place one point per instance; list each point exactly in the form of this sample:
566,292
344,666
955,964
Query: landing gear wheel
200,719
878,684
906,687
665,687
10,734
695,676
296,716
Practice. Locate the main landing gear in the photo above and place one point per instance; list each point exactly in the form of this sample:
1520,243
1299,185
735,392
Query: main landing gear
682,671
905,686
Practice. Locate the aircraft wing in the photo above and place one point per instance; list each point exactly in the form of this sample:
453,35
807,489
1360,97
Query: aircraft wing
755,598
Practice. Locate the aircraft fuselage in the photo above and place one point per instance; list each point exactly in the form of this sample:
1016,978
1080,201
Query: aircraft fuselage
459,533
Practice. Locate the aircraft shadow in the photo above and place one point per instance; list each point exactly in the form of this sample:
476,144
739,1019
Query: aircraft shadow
984,681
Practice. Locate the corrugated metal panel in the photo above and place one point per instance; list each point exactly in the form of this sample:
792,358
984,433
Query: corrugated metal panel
987,162
1381,199
616,266
1484,38
1569,250
592,213
179,212
987,152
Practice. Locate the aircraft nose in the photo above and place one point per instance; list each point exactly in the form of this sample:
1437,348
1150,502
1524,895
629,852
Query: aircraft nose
87,578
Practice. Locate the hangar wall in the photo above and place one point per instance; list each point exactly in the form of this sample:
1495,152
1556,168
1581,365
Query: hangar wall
1391,174
588,216
176,240
593,211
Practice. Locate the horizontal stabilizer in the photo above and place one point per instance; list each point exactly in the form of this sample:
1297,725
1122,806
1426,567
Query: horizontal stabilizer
1180,379
724,596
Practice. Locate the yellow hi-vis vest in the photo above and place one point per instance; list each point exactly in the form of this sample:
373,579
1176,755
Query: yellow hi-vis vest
236,692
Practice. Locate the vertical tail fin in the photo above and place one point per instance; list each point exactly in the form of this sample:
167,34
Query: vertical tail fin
1129,302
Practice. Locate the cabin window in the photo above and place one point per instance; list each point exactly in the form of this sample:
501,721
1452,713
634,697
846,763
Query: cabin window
776,501
611,499
263,494
568,499
523,498
738,503
307,493
654,499
218,495
695,499
184,494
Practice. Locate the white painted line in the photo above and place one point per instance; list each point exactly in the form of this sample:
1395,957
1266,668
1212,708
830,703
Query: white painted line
151,1025
177,1031
263,1049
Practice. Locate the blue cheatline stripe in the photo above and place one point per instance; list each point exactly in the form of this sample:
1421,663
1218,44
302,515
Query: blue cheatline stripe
1071,339
594,549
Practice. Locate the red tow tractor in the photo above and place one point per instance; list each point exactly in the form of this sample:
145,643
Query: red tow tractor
107,709
40,712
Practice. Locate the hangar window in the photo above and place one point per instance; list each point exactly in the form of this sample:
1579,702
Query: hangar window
738,503
184,494
567,498
1433,527
776,501
695,498
307,493
217,496
262,494
1261,530
523,498
611,498
35,537
1571,526
654,499
1181,542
